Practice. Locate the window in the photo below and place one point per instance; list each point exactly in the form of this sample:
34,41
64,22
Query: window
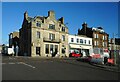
38,24
63,50
103,43
47,49
85,41
56,49
63,38
51,36
51,48
38,34
77,40
103,38
95,43
51,26
63,29
97,36
72,40
81,40
89,42
38,50
94,35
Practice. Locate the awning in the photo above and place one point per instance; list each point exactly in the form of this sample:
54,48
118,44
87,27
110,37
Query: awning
80,46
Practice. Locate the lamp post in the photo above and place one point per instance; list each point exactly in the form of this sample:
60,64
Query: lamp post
114,47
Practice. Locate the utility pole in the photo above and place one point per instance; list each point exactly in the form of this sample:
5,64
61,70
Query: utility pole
114,48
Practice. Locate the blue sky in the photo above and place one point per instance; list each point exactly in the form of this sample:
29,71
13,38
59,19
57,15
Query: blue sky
103,14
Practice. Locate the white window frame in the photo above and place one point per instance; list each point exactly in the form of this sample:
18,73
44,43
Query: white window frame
103,37
103,44
94,35
97,36
95,43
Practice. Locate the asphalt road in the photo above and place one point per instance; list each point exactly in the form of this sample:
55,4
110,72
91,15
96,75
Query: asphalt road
27,68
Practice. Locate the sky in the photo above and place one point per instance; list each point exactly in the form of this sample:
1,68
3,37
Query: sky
104,14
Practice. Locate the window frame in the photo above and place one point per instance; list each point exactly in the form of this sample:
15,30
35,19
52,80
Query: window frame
38,24
81,41
46,48
51,36
72,39
63,37
63,29
77,40
38,35
52,26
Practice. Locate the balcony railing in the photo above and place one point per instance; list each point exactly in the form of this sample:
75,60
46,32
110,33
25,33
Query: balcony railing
51,40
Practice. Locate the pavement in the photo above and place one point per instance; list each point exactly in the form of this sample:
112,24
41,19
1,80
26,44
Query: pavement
114,68
107,67
36,68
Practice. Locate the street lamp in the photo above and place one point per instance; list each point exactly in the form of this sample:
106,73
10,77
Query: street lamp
114,47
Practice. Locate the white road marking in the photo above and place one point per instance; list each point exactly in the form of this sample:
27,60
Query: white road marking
19,62
11,63
27,65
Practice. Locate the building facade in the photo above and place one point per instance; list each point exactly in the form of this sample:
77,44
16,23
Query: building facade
98,35
115,46
81,43
43,36
14,41
13,38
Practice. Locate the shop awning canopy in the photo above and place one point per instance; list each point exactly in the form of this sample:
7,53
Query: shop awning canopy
80,46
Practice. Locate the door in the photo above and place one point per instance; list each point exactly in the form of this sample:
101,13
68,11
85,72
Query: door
37,50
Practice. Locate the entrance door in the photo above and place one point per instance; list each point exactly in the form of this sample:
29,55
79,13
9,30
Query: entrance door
37,50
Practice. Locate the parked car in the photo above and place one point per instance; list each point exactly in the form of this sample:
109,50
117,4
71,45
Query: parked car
85,59
74,54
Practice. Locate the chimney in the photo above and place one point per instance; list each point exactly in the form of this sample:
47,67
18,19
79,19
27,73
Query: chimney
25,15
84,26
51,13
62,20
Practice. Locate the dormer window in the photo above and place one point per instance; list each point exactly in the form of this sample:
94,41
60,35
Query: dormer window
51,26
63,29
38,24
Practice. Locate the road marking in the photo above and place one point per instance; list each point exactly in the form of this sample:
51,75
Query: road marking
19,62
11,63
27,65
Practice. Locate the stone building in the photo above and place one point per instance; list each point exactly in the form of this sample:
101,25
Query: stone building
98,35
14,41
43,36
13,38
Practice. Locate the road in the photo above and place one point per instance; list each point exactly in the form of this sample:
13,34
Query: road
27,68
